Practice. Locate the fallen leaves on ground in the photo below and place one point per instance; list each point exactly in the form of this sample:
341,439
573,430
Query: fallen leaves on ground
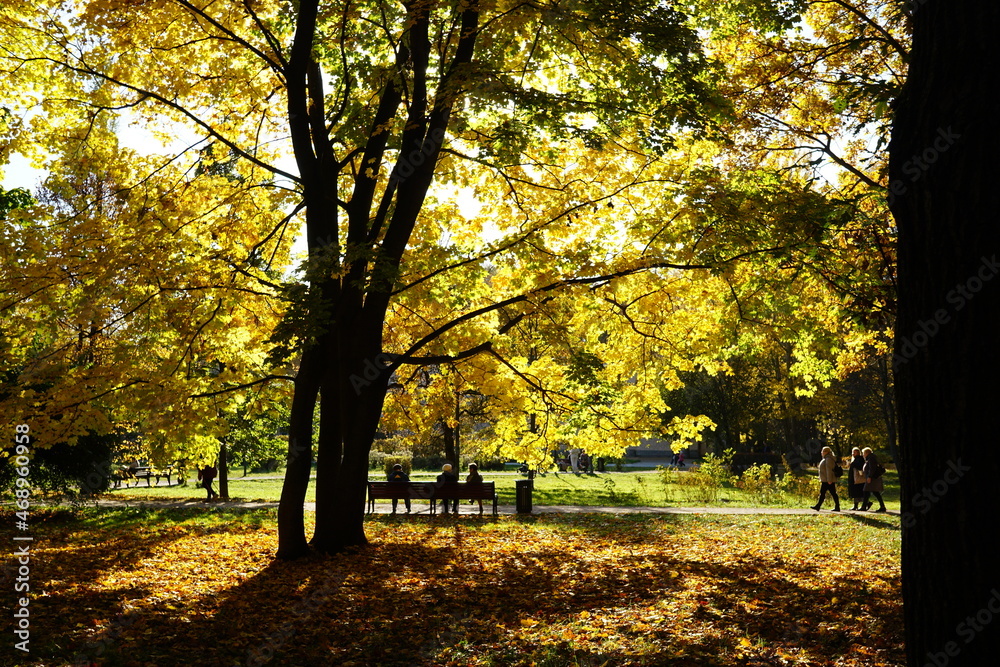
148,587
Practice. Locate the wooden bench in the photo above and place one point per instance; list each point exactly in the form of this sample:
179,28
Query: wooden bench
119,476
147,473
465,491
431,491
398,491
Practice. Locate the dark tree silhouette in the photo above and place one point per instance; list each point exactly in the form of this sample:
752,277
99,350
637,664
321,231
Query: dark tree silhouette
945,199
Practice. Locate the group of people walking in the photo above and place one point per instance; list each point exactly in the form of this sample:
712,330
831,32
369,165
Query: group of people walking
864,479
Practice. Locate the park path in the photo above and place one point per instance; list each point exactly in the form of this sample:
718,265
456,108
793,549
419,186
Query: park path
386,508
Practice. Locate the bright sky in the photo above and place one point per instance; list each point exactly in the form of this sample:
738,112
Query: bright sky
19,174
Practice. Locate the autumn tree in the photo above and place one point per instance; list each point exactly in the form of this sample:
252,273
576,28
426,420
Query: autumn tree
129,296
537,195
943,153
806,176
373,102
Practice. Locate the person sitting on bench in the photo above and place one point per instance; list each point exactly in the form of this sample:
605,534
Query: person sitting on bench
475,478
397,475
447,477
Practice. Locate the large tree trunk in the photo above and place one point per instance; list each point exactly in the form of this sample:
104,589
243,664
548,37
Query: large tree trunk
348,423
223,472
345,365
946,200
291,519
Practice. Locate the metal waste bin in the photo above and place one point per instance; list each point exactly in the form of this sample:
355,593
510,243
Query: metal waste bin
522,490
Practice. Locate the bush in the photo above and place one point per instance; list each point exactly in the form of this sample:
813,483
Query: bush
267,466
704,487
700,486
718,468
84,468
798,486
376,460
492,465
758,482
795,484
384,461
430,462
404,460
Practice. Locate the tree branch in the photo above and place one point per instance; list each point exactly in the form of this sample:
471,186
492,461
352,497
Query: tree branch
245,385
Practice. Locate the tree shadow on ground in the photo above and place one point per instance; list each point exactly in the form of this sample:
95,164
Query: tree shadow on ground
453,587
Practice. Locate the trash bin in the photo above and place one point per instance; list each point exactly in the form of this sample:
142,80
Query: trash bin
522,491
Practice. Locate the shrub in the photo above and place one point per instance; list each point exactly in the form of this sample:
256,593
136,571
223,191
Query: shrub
376,460
698,485
801,487
430,462
385,462
82,469
718,468
609,488
759,483
701,486
492,465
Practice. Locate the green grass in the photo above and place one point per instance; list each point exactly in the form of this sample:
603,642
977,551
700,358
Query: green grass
265,487
614,489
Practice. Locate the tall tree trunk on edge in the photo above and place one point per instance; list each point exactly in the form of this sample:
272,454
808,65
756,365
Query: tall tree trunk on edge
298,466
223,472
946,200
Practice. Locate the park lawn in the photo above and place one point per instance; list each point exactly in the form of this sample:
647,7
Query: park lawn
200,587
611,489
250,488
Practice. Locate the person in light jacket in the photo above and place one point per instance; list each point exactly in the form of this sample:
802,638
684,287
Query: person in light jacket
873,480
828,480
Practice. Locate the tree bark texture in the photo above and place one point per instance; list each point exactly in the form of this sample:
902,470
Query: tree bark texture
945,198
354,267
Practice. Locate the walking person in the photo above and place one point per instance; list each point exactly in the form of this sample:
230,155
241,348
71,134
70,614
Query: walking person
873,480
856,478
828,480
397,475
206,475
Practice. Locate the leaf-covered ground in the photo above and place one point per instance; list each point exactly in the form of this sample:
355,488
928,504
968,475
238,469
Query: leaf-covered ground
157,587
